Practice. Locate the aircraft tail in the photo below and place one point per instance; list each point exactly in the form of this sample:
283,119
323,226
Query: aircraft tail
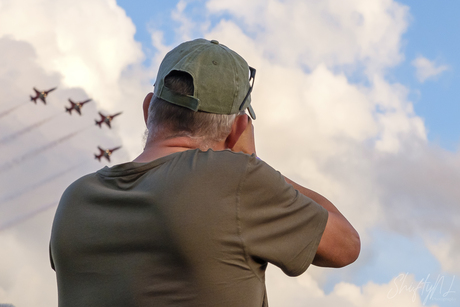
97,157
33,99
69,110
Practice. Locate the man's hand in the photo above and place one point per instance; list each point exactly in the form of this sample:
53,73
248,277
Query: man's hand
246,142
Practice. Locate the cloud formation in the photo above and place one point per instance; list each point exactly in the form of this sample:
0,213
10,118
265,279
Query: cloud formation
426,69
311,33
89,43
402,291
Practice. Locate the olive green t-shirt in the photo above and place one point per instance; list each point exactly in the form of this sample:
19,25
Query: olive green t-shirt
190,229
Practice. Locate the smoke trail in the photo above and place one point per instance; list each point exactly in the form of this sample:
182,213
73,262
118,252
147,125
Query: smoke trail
17,134
33,153
5,113
24,217
32,187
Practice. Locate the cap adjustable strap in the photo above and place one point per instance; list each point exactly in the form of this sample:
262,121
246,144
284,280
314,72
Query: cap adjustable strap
181,100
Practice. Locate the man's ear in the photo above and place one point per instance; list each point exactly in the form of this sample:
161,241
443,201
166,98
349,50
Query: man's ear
145,106
238,127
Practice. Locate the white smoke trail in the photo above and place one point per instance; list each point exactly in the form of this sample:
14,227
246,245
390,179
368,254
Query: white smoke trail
8,165
11,196
13,136
5,113
24,217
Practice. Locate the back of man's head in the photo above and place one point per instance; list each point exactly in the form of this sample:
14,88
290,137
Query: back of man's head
200,88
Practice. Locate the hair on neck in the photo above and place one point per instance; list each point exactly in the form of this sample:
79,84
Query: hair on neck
167,120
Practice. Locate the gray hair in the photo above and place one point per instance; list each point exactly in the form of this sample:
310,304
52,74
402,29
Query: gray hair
167,120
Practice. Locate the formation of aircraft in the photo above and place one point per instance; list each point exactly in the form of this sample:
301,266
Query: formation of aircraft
41,95
76,106
106,119
106,153
103,153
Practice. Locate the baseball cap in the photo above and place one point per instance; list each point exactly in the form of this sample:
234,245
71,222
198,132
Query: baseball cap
221,78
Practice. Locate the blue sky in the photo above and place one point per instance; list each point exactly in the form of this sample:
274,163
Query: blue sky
431,33
354,99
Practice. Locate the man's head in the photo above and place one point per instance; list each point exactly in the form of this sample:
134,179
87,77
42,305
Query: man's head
200,88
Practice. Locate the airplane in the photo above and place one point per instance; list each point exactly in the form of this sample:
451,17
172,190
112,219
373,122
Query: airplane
106,119
41,95
106,153
76,106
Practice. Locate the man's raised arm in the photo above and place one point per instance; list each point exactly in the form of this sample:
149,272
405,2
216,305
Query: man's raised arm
340,244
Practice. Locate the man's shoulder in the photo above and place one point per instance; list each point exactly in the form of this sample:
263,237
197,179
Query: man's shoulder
81,183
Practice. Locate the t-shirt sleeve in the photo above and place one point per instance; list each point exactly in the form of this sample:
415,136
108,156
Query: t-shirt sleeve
51,258
277,223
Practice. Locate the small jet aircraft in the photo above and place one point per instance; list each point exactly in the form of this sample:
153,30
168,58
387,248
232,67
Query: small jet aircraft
106,153
76,106
106,119
41,95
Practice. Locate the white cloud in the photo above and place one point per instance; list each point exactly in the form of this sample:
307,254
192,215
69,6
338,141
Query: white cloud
24,280
446,250
310,33
89,43
187,25
402,291
426,69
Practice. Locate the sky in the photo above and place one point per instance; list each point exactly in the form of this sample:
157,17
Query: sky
354,99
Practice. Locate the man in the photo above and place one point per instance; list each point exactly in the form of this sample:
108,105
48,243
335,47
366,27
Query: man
196,217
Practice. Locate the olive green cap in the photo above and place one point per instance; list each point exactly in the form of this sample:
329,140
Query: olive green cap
220,78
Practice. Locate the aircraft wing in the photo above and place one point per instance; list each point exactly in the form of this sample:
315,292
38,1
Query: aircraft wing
51,90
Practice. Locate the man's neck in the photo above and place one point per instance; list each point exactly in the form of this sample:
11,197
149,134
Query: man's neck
156,149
